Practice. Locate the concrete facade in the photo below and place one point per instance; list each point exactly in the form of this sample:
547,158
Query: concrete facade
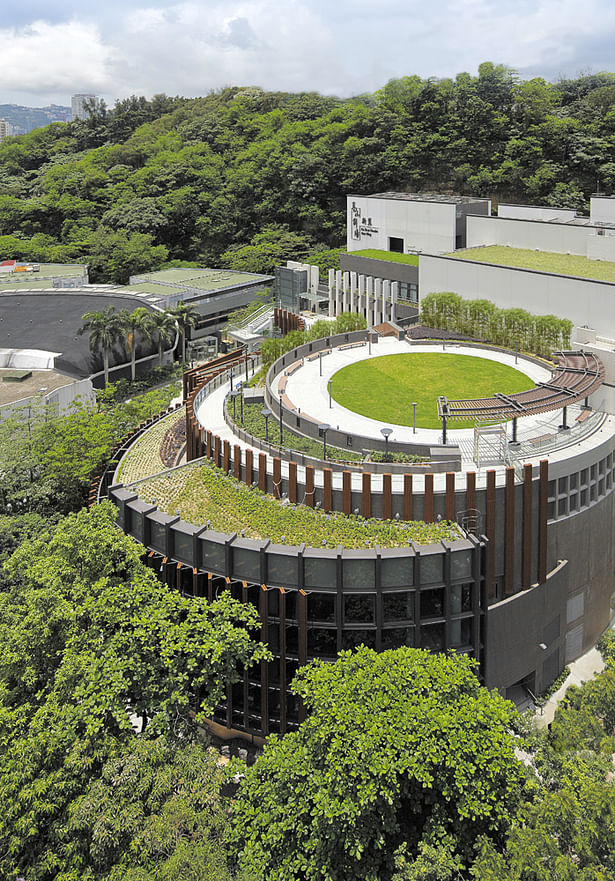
409,223
538,235
584,301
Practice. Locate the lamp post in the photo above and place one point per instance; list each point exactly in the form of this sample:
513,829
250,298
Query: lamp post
241,403
369,341
413,417
386,432
323,428
234,395
247,356
281,429
266,412
320,362
329,387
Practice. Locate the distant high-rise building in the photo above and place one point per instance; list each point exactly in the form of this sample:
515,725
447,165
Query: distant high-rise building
78,102
5,129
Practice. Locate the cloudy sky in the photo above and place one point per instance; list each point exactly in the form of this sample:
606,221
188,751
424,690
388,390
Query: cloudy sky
115,48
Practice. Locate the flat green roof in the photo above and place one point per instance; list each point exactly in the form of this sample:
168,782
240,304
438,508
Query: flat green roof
42,278
173,282
392,256
541,261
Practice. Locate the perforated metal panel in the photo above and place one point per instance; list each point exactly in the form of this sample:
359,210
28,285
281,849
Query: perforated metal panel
575,607
574,643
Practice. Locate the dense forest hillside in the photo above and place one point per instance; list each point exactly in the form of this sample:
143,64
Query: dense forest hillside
173,179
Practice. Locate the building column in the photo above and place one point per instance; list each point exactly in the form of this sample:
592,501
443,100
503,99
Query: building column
332,294
394,298
353,292
346,285
386,296
338,292
363,307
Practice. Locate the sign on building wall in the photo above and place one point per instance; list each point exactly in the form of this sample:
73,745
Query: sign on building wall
361,226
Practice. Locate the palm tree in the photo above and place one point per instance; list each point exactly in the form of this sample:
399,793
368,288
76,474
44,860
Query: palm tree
105,330
186,316
164,327
140,320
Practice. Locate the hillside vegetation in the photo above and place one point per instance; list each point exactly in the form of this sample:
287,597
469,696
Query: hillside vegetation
244,178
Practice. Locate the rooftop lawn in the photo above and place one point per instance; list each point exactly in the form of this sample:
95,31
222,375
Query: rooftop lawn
384,388
541,261
202,492
392,256
203,279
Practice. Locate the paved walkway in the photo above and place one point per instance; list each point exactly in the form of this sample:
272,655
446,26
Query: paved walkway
308,390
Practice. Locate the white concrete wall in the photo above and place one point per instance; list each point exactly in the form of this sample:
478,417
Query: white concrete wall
424,226
583,301
601,247
561,238
61,398
27,359
536,212
604,348
602,209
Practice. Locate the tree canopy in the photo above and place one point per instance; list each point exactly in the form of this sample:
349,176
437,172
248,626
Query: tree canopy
239,177
400,750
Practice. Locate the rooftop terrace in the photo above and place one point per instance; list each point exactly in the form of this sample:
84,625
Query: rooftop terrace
375,254
173,282
540,261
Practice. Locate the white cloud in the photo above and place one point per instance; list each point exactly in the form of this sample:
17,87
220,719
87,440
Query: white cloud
48,58
191,46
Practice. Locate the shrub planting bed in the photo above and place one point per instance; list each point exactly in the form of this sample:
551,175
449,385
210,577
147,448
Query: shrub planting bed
201,492
144,457
254,423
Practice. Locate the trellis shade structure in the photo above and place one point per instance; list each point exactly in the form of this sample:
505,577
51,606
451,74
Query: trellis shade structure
577,375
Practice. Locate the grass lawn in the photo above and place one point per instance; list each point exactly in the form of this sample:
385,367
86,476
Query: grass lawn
541,261
384,388
412,259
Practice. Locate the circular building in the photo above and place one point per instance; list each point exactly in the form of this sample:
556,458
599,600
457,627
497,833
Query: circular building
488,535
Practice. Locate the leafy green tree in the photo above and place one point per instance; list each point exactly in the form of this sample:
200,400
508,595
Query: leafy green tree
104,330
92,646
399,748
156,807
186,315
269,248
115,256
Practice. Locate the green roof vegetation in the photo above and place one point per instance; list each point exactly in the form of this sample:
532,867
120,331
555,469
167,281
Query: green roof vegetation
392,256
42,278
541,261
384,388
143,458
171,282
254,423
202,492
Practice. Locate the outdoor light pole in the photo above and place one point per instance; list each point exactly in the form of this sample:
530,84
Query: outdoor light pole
385,432
329,387
241,403
320,362
266,412
232,377
247,356
369,341
324,428
414,417
280,402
